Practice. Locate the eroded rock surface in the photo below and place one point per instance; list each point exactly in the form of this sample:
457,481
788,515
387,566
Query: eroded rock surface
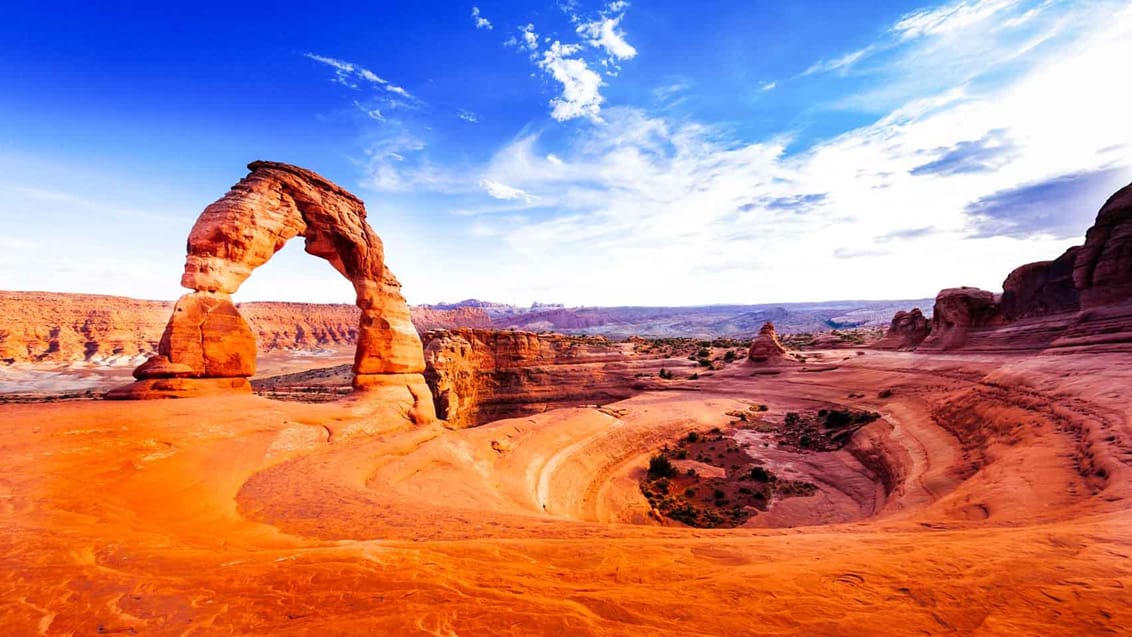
479,375
240,232
957,311
1102,271
765,347
1041,289
907,331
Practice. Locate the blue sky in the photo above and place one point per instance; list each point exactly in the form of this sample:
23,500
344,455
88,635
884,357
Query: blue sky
591,153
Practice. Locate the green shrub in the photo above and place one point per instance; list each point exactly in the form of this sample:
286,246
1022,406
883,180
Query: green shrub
661,467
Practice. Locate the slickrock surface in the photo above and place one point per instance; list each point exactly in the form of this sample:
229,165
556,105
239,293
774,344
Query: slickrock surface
907,331
480,375
1004,510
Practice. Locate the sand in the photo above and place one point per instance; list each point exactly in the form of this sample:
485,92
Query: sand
998,505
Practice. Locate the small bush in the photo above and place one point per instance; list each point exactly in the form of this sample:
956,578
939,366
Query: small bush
694,376
692,436
758,474
661,467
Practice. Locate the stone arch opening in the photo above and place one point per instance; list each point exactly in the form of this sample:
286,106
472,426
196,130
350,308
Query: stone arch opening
208,347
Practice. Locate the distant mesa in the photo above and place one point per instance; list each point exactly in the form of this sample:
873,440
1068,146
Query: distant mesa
240,232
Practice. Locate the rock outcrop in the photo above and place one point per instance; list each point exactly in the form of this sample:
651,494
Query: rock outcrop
56,327
958,311
240,232
480,375
1102,271
1082,299
907,331
765,347
1041,289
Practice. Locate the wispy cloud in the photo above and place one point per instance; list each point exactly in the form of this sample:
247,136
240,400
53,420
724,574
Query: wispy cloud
468,116
503,191
950,181
480,21
348,74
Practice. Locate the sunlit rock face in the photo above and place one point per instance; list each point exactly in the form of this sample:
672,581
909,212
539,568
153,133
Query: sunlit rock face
240,232
907,331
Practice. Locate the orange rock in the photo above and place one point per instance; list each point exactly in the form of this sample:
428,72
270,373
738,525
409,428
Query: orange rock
207,334
766,347
246,227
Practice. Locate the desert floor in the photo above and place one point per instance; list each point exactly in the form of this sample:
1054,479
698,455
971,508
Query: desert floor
1007,513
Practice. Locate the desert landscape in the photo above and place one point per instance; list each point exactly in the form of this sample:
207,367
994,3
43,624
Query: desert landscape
963,475
566,318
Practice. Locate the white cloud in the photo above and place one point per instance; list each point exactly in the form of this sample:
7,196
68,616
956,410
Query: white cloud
768,86
571,64
605,34
481,22
675,210
949,18
581,95
840,64
468,116
346,74
503,191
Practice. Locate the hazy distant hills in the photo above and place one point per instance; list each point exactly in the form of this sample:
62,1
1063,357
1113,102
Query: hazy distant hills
701,321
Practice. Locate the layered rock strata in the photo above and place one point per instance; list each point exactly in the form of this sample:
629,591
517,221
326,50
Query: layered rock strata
479,375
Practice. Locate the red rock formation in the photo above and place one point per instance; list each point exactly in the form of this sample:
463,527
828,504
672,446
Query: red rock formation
1041,289
765,347
907,331
479,375
61,327
44,326
240,232
957,311
1103,268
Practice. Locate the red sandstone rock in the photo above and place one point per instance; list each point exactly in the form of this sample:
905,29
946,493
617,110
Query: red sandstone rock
907,331
766,347
246,227
61,327
207,334
161,367
1041,289
1103,268
480,375
957,311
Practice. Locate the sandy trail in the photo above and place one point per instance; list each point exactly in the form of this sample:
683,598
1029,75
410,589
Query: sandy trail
1006,513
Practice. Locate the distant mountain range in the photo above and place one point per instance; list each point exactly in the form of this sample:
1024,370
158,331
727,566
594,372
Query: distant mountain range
699,321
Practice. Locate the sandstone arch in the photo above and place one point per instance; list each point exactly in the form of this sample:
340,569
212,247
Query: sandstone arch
208,347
